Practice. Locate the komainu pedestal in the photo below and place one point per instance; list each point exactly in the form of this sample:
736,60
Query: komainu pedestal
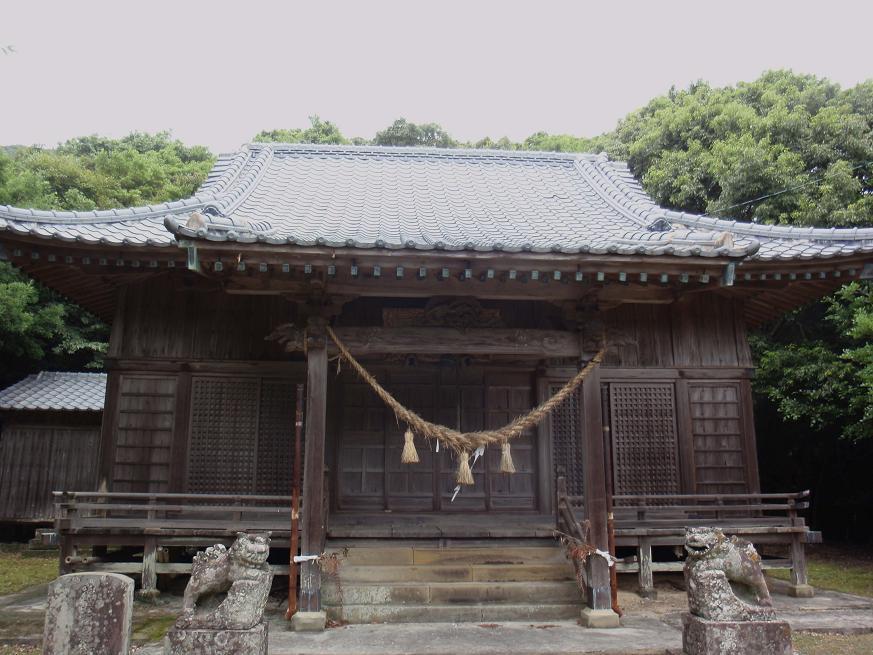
704,637
180,641
731,611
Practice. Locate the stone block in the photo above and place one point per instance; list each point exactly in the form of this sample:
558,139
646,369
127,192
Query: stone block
309,621
89,613
704,637
180,641
801,590
599,618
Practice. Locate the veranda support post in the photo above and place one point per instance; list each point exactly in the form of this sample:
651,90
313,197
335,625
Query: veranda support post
310,615
598,613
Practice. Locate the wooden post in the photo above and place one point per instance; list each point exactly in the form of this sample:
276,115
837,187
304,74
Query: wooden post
800,586
647,582
149,587
313,509
599,601
295,505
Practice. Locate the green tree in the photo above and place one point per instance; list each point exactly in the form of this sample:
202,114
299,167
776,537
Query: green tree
404,133
319,131
38,329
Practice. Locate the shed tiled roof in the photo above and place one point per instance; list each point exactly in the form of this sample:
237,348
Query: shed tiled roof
432,199
56,391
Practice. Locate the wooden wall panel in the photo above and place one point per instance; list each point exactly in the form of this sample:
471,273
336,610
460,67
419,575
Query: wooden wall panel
700,331
144,427
719,440
39,458
165,318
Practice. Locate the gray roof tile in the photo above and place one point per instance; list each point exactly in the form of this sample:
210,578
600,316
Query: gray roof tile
451,199
56,391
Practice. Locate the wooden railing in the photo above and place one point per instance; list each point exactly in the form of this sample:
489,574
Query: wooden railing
643,521
170,514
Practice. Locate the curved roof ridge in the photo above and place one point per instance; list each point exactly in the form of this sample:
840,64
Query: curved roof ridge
630,187
119,215
772,231
235,163
612,194
246,182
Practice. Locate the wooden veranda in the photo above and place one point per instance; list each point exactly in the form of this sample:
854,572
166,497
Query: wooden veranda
138,533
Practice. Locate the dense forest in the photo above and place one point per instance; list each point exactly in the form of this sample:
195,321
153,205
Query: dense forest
785,148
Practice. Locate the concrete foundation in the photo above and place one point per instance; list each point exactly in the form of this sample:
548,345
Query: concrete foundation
703,637
599,618
309,621
217,642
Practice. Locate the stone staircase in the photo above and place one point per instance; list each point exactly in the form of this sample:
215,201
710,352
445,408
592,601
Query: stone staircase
450,581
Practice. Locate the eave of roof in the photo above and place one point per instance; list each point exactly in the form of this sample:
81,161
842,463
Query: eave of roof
56,391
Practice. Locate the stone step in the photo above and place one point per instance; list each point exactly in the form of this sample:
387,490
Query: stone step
450,556
449,593
472,613
459,573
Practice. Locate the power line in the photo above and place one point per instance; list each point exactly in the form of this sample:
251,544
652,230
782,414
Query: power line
814,180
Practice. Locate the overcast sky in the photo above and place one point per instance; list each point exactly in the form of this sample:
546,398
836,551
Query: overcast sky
216,73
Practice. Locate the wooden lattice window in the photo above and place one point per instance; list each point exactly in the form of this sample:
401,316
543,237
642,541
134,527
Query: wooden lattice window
644,444
221,456
566,441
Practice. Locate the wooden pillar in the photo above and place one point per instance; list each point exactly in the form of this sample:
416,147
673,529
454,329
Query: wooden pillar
149,587
313,510
647,581
594,479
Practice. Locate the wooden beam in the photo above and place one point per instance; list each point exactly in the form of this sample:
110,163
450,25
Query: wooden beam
313,508
442,341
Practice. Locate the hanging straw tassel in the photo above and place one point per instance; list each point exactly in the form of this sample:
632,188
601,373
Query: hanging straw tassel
465,475
409,454
506,463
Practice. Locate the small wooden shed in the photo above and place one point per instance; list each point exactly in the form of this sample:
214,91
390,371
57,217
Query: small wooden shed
49,439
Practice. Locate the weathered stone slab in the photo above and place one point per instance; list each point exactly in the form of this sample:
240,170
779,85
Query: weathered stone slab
180,641
89,614
704,637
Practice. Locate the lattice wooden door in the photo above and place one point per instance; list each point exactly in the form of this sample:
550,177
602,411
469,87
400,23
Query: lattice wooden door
242,431
645,449
567,441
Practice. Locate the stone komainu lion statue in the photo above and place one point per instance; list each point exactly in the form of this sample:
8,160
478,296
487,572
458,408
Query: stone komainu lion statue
242,571
713,563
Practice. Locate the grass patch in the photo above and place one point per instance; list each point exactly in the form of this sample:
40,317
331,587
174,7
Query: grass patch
837,570
808,643
152,629
21,569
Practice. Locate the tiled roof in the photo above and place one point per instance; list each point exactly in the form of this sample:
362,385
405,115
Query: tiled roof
56,391
433,199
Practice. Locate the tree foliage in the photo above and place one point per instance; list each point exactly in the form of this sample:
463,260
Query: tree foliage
319,131
38,328
403,133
